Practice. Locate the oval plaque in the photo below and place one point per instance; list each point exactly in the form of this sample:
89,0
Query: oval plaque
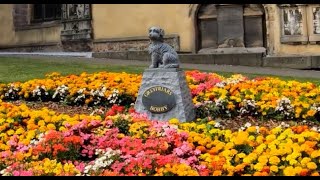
158,99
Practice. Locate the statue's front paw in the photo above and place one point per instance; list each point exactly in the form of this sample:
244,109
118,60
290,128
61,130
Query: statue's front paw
151,66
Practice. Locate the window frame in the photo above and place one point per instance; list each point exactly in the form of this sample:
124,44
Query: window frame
313,37
302,38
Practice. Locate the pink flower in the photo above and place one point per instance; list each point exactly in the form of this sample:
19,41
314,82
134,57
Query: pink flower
67,125
147,163
22,148
16,173
84,151
178,151
5,154
80,166
95,123
184,135
85,136
26,173
109,123
117,166
197,152
192,159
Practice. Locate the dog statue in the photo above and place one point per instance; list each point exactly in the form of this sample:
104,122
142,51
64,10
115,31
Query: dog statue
162,54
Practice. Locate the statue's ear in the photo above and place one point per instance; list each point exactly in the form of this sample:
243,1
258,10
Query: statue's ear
162,32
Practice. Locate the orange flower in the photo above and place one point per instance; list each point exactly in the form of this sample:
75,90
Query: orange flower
217,173
202,149
304,172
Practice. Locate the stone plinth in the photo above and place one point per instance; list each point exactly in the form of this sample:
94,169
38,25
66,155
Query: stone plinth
165,94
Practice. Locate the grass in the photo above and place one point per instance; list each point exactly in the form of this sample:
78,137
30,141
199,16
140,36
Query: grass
22,69
14,69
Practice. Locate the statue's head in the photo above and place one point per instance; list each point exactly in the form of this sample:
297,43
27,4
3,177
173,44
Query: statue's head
156,33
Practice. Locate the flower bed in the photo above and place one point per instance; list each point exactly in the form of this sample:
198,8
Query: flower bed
214,95
42,142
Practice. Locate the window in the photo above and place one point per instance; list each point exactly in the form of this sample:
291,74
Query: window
46,12
293,24
314,24
300,24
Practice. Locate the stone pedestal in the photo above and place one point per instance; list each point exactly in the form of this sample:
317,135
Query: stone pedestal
165,94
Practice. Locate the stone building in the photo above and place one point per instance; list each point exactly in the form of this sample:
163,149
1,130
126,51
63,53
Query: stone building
247,34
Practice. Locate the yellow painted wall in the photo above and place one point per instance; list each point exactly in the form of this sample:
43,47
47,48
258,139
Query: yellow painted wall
128,20
9,37
286,49
6,25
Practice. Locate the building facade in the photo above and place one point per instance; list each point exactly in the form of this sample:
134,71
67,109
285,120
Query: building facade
274,30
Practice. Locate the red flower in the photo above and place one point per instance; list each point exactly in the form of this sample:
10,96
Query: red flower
115,109
132,110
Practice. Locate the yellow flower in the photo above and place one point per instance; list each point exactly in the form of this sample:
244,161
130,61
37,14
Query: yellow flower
174,121
263,159
241,155
251,138
260,139
311,165
315,174
51,126
301,139
120,135
43,129
315,154
311,112
41,123
10,132
62,128
270,138
20,131
274,168
293,162
289,171
258,166
274,160
304,161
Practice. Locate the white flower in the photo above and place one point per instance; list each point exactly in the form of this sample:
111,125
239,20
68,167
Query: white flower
257,128
103,161
314,128
217,125
247,124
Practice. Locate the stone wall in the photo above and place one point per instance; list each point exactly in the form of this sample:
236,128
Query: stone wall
20,14
131,44
50,47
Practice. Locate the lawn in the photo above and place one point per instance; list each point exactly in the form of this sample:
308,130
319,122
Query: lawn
14,69
21,69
